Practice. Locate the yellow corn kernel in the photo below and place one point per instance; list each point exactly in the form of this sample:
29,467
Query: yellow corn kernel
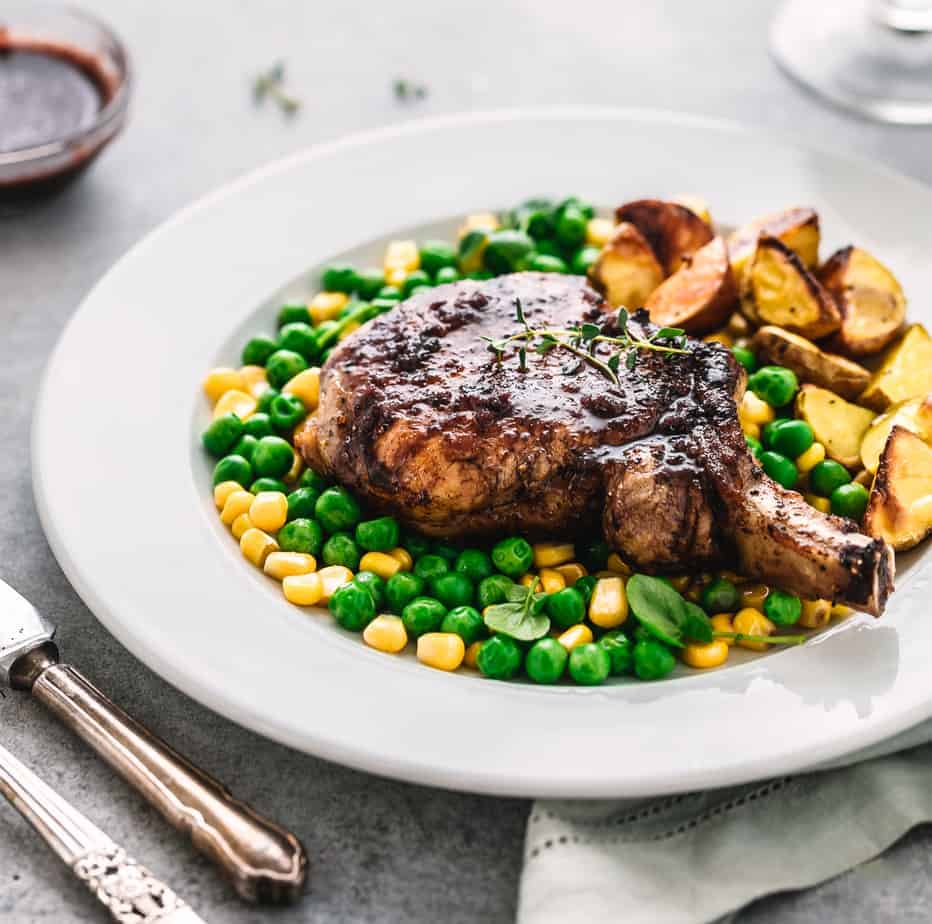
840,611
472,655
722,337
403,557
733,576
280,565
681,582
381,563
754,410
576,635
257,545
254,380
608,606
753,595
750,429
306,385
816,613
526,580
722,622
297,466
478,221
303,589
269,511
811,457
551,581
223,490
352,327
711,654
237,502
751,622
598,231
325,306
823,504
395,276
236,402
386,633
617,564
572,572
694,592
240,525
605,573
221,380
550,554
443,650
403,256
332,577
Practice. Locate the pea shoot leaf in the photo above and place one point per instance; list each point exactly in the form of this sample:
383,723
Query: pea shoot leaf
697,626
511,619
658,607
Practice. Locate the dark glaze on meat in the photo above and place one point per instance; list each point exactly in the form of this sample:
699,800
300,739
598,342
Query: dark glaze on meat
420,419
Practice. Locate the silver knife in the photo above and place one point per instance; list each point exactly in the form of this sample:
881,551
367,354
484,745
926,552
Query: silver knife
126,889
264,862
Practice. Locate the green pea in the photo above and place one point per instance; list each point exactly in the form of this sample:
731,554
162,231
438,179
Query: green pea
469,251
272,457
325,356
475,564
849,500
782,470
265,400
539,223
586,585
417,290
374,584
652,660
415,279
590,664
299,338
301,535
416,544
336,509
513,556
429,567
222,434
245,446
384,304
768,430
352,607
452,589
233,468
437,255
774,384
547,248
258,425
445,550
570,226
480,275
466,622
287,411
620,651
546,660
782,608
311,479
293,314
792,438
341,549
586,208
544,263
301,503
390,293
499,657
566,607
583,259
268,484
754,444
401,588
369,283
492,590
378,535
593,554
258,350
827,476
506,249
745,357
720,596
422,615
446,274
340,277
283,366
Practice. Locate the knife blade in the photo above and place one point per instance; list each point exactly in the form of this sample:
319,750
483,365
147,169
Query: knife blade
264,862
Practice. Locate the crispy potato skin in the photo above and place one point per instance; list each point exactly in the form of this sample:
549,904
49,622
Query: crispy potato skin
798,228
905,371
700,296
914,415
674,231
627,270
900,507
836,424
871,301
783,292
809,362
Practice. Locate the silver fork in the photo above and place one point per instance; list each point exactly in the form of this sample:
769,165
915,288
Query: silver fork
127,890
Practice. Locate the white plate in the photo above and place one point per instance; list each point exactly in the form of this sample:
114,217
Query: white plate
123,488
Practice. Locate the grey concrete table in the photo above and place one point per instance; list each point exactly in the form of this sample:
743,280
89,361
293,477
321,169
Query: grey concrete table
382,851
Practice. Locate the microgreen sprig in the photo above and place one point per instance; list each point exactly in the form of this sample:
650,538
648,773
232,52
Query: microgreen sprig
582,340
270,83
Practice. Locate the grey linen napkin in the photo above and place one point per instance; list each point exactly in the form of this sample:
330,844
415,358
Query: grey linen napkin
695,857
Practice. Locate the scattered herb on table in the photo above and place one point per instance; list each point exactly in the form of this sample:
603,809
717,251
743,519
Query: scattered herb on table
271,84
408,89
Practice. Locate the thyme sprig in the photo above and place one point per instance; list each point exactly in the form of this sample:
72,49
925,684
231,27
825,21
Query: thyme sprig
582,340
270,83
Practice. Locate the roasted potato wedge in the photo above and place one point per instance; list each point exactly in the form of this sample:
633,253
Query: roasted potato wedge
871,301
627,270
700,296
905,372
811,364
900,507
781,291
838,425
672,230
798,228
914,415
697,205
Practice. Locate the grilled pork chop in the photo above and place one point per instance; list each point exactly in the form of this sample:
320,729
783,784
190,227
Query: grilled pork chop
421,420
